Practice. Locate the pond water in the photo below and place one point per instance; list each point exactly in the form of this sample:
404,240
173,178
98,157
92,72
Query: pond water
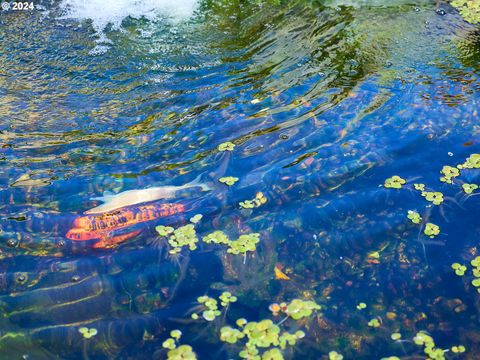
311,106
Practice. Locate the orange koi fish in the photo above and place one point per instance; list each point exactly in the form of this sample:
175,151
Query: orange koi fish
101,226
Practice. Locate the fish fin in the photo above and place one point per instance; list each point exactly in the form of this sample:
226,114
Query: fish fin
197,183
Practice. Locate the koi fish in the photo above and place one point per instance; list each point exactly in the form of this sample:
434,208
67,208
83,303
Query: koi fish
133,197
102,226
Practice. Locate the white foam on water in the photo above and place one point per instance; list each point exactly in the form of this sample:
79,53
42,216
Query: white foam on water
103,13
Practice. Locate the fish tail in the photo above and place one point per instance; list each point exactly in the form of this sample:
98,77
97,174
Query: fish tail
197,183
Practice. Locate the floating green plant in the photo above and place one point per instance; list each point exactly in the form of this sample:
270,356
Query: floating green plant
391,358
244,243
449,173
431,230
164,230
395,182
272,354
230,335
228,180
396,336
183,236
468,9
298,309
469,188
216,237
182,352
419,187
425,340
458,349
374,323
361,306
434,197
226,146
227,298
259,200
414,217
473,161
333,355
211,305
459,269
195,219
88,333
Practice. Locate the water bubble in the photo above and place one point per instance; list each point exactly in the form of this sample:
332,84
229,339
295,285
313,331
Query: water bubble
75,278
11,242
441,12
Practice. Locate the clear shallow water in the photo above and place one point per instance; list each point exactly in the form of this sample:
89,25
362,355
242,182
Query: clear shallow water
323,103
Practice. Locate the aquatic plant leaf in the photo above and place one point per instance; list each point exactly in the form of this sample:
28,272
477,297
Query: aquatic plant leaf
374,323
333,355
448,174
394,182
414,217
226,146
431,230
228,180
469,188
183,352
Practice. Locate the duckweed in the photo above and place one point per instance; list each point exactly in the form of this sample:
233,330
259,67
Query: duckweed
396,336
420,187
395,182
273,354
298,309
88,333
230,335
431,230
211,305
183,236
361,306
414,217
473,161
434,197
449,173
469,188
183,352
226,146
391,358
257,201
217,237
227,298
244,243
195,219
458,349
228,180
374,323
459,269
333,355
164,230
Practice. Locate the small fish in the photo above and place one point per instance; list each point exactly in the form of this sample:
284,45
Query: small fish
133,197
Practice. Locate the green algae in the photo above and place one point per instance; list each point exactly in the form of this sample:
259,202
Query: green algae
468,9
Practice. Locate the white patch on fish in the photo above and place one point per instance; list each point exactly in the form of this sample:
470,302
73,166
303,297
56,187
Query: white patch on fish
133,197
